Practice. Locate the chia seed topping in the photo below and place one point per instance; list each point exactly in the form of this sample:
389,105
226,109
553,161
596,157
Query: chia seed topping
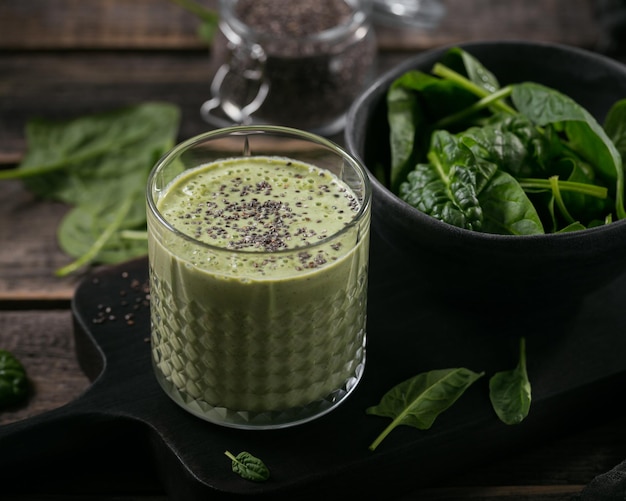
261,204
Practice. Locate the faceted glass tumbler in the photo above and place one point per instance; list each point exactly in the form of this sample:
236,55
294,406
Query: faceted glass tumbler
249,350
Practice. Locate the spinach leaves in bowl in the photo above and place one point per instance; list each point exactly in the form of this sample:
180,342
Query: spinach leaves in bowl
519,159
477,268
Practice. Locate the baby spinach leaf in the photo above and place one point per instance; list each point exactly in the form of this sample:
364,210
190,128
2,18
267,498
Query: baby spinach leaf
446,187
249,467
90,235
460,186
545,106
403,112
418,401
436,97
84,224
510,391
477,73
507,209
511,142
572,227
416,101
98,163
13,380
615,126
90,158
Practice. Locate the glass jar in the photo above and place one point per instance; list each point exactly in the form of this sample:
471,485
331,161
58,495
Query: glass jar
299,64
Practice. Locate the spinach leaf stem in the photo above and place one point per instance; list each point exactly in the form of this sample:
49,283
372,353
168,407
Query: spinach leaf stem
443,71
556,192
101,241
134,235
481,104
19,173
572,186
383,435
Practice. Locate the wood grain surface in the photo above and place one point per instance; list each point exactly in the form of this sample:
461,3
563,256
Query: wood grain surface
65,58
159,24
43,342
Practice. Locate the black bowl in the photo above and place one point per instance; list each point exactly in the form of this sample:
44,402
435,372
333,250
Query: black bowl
474,266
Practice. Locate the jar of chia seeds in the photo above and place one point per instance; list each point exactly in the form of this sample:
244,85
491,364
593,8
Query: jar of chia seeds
293,63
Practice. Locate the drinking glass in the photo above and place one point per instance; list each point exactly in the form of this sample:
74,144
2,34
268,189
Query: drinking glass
264,336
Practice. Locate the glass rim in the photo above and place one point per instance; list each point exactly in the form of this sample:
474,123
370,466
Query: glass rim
358,17
176,151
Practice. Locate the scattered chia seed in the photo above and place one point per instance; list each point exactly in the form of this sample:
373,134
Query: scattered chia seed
110,313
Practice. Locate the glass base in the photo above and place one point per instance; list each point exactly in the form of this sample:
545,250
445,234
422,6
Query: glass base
265,420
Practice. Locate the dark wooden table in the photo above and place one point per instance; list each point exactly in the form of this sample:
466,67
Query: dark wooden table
65,58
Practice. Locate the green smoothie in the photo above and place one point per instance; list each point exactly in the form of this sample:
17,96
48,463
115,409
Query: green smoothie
259,294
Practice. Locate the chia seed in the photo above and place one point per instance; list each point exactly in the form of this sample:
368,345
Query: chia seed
312,79
256,221
110,313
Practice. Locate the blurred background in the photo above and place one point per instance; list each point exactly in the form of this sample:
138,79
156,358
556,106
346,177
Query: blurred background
157,49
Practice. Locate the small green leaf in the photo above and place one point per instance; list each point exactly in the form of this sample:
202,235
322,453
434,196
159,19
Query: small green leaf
418,401
509,391
13,380
249,467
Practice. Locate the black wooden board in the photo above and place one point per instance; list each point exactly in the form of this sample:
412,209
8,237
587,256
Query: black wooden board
575,357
